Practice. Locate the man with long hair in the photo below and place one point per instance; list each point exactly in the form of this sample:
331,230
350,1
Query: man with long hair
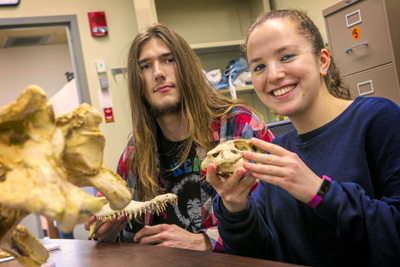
177,116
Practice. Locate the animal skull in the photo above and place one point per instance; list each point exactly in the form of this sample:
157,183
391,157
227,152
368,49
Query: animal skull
83,155
30,251
228,156
35,163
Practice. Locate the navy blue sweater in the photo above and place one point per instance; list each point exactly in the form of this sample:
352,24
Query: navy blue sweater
358,221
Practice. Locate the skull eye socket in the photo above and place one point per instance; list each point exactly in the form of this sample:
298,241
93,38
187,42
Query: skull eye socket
15,132
242,146
215,154
234,151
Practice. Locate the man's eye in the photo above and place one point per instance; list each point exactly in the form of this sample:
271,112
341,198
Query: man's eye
287,57
144,67
170,60
259,67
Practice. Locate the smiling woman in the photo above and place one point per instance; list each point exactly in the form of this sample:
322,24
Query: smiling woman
312,206
285,72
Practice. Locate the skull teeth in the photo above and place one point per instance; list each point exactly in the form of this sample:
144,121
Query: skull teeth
136,209
130,224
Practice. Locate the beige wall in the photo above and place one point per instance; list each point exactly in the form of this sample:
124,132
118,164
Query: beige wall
122,27
41,65
312,7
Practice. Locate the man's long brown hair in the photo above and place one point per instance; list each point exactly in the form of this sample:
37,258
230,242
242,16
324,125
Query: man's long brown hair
201,105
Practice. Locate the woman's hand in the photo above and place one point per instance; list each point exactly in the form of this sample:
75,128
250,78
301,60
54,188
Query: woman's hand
234,189
284,169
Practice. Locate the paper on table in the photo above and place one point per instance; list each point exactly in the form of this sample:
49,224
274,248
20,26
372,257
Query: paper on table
49,247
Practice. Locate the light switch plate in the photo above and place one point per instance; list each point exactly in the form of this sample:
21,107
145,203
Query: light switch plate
101,66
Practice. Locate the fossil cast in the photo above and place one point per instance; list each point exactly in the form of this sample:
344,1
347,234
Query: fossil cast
30,252
83,155
228,156
35,171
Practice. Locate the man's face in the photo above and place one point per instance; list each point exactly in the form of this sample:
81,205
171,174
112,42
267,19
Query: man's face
158,68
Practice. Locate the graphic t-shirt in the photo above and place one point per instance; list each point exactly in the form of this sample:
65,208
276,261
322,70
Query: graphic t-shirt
182,181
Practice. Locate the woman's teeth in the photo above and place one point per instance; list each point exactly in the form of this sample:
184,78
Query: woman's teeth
283,91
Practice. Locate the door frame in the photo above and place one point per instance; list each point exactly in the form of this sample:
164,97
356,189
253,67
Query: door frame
74,42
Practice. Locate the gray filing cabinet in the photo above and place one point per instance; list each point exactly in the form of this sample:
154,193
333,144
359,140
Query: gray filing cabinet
364,40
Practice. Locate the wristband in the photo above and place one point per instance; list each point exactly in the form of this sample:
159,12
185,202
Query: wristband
326,183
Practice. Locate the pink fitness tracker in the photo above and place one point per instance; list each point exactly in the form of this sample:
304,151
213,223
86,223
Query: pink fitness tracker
326,183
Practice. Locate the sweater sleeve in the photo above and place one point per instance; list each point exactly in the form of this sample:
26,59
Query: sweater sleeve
369,221
244,233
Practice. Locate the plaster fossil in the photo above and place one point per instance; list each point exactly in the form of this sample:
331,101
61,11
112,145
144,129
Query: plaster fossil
83,155
31,252
135,209
228,156
34,167
4,254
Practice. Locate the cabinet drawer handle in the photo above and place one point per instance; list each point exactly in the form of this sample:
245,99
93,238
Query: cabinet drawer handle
364,83
351,48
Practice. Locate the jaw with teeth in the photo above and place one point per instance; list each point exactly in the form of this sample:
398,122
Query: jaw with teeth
283,91
135,209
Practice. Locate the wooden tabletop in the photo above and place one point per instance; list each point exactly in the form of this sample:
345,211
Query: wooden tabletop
85,253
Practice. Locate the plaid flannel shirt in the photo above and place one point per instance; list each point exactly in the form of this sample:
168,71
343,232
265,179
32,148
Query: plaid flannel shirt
238,123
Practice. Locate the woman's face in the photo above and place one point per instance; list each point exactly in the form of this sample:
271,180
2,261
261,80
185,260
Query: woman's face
285,72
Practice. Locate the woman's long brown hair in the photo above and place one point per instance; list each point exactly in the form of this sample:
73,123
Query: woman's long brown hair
201,105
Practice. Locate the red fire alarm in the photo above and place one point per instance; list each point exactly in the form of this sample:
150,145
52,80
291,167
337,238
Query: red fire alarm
108,114
98,24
